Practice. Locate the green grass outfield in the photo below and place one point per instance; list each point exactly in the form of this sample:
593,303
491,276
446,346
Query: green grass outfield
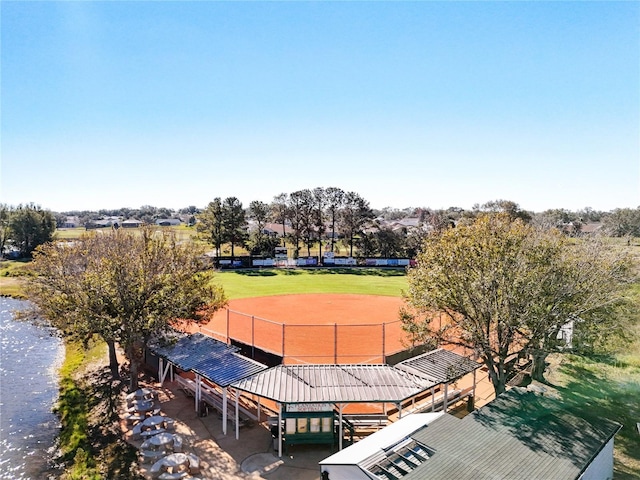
362,281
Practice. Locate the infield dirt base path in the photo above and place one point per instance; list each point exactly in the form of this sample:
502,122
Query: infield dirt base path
315,328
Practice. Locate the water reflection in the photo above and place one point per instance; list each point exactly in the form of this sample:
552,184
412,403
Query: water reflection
29,360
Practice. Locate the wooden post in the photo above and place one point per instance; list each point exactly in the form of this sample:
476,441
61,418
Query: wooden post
197,393
446,392
433,398
258,407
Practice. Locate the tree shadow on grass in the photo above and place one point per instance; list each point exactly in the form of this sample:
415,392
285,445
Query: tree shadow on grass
590,393
267,272
539,423
574,417
611,360
374,272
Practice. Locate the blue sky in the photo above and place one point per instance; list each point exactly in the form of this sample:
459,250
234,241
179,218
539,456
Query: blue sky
410,104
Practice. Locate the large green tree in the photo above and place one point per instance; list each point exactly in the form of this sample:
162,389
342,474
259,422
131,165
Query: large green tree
5,217
320,203
623,222
502,288
259,242
211,224
30,226
234,223
354,216
279,212
127,287
335,198
296,210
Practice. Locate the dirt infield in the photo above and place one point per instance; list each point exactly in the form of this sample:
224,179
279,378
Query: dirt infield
314,328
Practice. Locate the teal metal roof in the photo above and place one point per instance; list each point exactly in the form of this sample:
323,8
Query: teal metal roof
212,359
226,369
521,435
190,350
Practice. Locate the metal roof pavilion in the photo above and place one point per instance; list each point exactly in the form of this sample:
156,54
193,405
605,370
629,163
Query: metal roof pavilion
334,384
190,350
439,366
339,385
228,368
210,358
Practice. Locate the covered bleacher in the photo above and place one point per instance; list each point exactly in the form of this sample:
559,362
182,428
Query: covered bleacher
215,362
310,398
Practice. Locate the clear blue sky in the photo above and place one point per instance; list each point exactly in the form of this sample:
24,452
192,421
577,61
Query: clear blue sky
434,104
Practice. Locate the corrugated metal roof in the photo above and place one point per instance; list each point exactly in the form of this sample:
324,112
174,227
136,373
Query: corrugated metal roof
439,366
214,360
225,369
191,350
547,439
334,384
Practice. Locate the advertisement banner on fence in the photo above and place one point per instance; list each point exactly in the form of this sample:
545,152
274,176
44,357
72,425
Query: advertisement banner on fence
329,258
307,262
266,262
345,261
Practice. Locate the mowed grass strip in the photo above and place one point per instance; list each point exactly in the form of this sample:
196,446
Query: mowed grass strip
360,281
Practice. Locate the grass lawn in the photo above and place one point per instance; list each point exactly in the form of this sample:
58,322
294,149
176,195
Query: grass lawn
182,232
12,274
607,387
259,283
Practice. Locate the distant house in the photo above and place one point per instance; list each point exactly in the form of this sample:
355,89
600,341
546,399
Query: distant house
523,434
105,222
168,222
131,223
71,222
589,228
275,229
93,224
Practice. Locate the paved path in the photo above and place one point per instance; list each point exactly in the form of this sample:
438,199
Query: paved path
225,458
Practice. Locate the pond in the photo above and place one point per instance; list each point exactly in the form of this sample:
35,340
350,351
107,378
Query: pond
30,357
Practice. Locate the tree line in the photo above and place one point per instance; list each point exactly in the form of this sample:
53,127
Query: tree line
305,217
25,227
330,218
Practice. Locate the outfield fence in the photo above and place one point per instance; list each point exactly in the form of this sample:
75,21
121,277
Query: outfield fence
334,343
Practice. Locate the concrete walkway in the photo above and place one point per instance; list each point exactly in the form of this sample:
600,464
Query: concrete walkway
225,458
